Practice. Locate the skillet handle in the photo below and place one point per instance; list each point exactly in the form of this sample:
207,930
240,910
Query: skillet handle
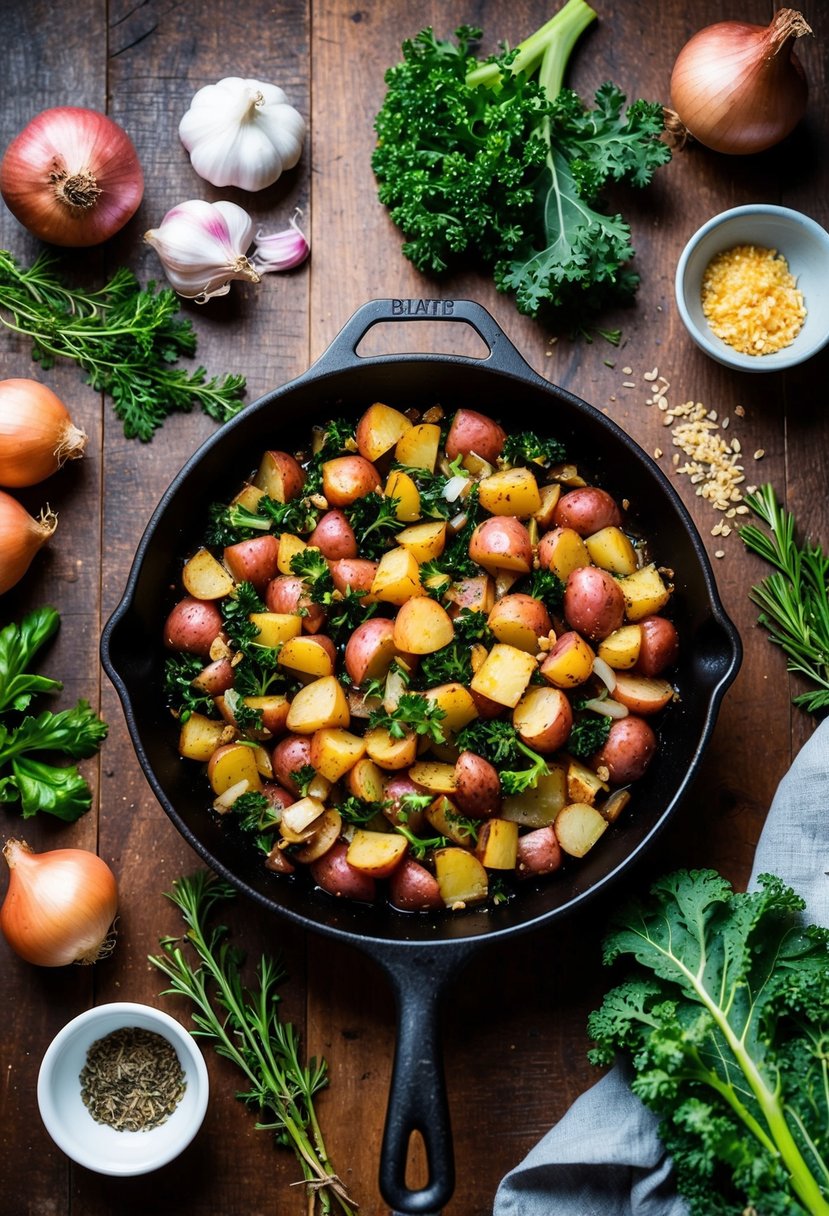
503,356
417,1098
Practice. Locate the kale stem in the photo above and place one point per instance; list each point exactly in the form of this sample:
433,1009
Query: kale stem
554,41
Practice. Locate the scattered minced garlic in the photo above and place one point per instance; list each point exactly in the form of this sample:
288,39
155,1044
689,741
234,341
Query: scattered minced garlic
751,300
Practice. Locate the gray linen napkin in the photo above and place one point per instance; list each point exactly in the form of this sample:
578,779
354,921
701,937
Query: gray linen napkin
604,1157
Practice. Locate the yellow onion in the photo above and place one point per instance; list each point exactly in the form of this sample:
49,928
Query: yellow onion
37,435
21,535
60,905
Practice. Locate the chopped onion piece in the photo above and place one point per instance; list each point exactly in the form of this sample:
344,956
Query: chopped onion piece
454,487
458,521
605,673
226,800
606,706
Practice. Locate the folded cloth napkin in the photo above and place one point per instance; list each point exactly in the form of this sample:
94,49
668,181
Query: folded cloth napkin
604,1158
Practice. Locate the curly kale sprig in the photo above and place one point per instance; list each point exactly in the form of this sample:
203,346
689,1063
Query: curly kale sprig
244,1025
125,337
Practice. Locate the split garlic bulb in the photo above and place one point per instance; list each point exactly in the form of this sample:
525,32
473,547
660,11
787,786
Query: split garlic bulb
242,133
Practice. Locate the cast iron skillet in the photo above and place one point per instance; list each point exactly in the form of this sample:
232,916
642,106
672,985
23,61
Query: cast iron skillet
419,953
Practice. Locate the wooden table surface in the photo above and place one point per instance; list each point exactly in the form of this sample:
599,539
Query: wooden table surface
514,1024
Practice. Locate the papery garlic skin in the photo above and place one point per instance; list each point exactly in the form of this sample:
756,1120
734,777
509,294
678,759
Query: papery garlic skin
283,250
242,133
202,248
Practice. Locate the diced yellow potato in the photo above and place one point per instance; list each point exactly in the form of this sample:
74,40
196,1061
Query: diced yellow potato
611,550
426,541
390,753
536,807
504,674
644,592
397,578
304,656
497,847
401,486
461,878
578,827
376,853
200,736
457,703
422,626
325,835
205,578
379,429
279,475
262,760
583,785
510,492
435,777
418,447
563,551
231,763
620,649
365,780
550,494
396,685
317,705
569,663
301,819
447,821
249,497
289,546
334,751
274,628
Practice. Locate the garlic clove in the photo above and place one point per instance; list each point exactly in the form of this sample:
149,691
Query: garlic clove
202,248
284,250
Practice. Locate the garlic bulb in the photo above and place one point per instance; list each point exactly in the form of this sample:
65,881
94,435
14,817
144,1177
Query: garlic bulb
202,248
242,133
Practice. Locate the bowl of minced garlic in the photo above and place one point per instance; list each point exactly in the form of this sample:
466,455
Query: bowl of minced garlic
750,287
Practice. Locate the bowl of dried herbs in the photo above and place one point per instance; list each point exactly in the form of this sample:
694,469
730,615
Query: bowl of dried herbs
122,1089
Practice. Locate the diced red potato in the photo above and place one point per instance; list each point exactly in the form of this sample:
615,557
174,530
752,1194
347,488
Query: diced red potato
394,790
347,478
477,786
502,542
291,753
641,694
253,561
538,853
476,593
334,536
594,604
277,795
543,718
333,874
286,593
520,620
627,751
192,626
280,475
658,646
562,550
370,650
356,573
587,510
216,678
413,889
474,432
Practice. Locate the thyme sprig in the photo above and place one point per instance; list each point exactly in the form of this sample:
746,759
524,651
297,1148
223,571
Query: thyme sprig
793,599
244,1026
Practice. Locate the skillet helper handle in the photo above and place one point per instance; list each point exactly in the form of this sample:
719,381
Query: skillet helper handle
417,1098
503,356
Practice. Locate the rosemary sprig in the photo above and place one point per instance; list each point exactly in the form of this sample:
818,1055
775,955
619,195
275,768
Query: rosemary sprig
244,1027
793,599
124,337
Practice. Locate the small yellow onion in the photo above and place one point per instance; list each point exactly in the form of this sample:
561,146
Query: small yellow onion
60,905
37,435
21,535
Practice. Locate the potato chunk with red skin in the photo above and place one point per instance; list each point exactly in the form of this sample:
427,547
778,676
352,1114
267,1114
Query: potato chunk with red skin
474,432
280,475
370,650
354,573
333,874
628,750
538,853
347,478
287,594
587,510
658,646
543,718
192,626
253,561
334,536
413,889
477,786
501,542
594,604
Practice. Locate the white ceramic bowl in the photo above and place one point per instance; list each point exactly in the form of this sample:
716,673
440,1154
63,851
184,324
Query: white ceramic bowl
96,1145
805,246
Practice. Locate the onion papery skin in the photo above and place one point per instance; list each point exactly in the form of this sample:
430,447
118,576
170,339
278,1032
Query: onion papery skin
37,435
21,536
86,148
60,905
739,88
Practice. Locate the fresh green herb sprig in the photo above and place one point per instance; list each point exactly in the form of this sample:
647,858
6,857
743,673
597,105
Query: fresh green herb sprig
180,670
374,521
25,777
547,587
244,1026
588,733
234,522
794,599
412,712
725,1018
498,742
527,448
126,338
344,611
257,673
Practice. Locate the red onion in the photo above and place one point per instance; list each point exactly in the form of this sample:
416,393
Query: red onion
72,177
